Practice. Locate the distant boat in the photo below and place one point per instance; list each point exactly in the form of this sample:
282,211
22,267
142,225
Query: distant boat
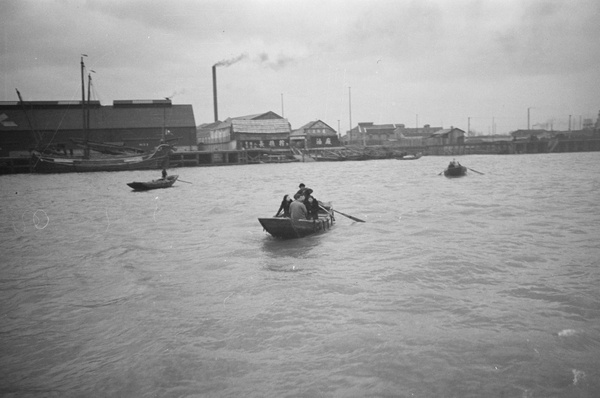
411,157
455,171
154,184
285,228
53,163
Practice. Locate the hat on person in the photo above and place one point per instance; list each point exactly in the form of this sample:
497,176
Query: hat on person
296,196
308,191
301,185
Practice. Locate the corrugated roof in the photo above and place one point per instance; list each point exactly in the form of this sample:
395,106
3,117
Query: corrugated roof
442,132
265,126
300,132
261,116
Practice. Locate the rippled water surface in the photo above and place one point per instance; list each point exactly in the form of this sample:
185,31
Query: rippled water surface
481,286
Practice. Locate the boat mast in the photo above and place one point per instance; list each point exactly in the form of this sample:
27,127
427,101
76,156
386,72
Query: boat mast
86,149
88,100
164,133
36,136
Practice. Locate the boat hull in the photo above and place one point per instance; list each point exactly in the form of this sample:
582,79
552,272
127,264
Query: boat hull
285,228
154,184
50,164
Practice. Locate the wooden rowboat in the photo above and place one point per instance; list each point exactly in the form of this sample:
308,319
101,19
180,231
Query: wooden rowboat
456,171
154,184
285,228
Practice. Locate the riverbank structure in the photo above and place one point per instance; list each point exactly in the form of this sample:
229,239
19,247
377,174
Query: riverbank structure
57,125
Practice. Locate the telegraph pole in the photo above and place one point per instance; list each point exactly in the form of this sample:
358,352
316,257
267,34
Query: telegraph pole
468,126
350,106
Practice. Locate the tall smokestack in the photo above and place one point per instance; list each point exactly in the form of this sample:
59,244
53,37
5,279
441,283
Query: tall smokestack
214,73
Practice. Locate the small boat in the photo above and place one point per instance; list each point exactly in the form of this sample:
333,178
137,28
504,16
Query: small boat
285,228
411,157
455,171
154,184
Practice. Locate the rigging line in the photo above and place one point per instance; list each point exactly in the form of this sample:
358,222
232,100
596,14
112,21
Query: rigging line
63,115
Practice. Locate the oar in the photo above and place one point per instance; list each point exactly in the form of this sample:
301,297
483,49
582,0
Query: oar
475,171
347,215
441,172
187,182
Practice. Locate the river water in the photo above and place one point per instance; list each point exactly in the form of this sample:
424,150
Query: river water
481,286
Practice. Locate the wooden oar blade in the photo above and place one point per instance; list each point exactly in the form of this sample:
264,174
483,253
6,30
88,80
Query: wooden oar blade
478,172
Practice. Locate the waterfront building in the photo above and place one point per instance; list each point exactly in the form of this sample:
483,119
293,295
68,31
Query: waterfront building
414,137
313,135
368,133
267,131
59,125
396,134
533,134
451,136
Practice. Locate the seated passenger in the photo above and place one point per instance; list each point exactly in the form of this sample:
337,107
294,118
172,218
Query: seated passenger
313,208
297,208
284,208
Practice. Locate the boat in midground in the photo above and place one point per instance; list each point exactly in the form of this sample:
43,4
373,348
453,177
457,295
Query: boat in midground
285,228
154,184
455,171
57,164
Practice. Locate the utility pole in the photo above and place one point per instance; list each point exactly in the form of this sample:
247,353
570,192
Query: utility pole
282,105
86,148
569,123
528,119
468,126
350,106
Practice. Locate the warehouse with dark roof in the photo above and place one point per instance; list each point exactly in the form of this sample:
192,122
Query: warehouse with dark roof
139,124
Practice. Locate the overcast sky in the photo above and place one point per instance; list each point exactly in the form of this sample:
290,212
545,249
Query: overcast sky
412,62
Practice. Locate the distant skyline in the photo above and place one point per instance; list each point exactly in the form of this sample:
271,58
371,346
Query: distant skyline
437,62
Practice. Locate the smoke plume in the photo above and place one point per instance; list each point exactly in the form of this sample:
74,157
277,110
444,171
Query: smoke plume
231,61
263,59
